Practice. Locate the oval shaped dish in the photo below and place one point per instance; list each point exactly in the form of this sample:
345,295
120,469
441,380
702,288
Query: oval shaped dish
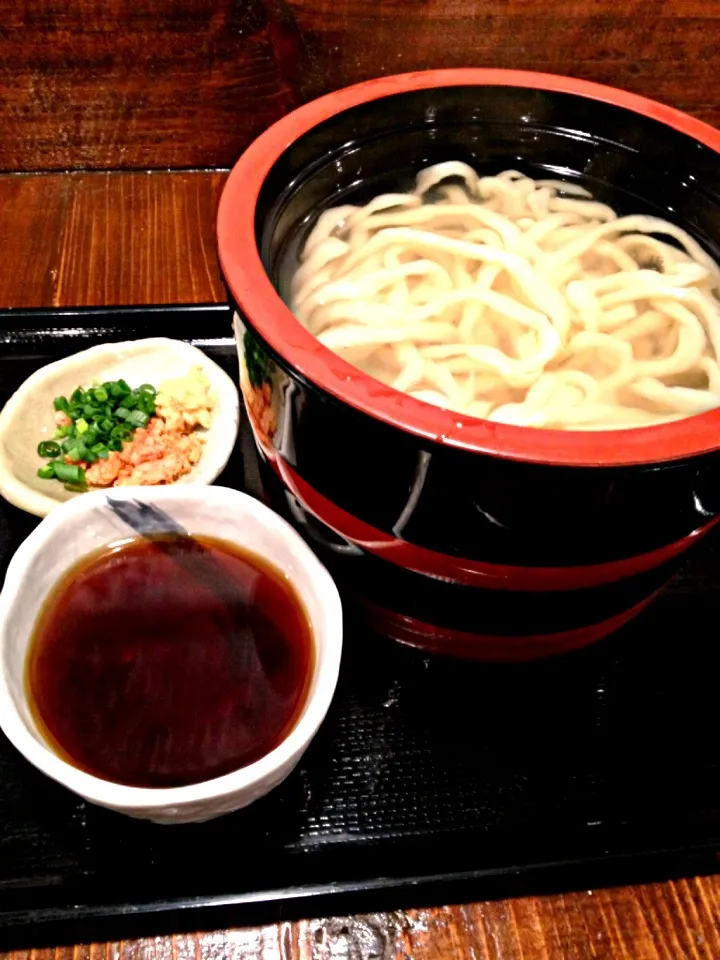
29,416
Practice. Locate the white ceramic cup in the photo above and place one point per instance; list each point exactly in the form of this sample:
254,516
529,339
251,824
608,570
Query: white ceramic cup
86,523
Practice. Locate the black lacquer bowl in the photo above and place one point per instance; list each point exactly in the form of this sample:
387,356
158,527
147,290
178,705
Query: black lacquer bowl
459,535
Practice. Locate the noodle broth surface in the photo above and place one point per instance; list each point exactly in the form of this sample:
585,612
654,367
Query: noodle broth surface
518,300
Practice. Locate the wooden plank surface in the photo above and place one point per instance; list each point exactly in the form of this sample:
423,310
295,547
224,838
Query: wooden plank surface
188,83
99,238
89,239
666,921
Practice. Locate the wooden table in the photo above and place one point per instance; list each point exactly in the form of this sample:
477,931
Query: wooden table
109,238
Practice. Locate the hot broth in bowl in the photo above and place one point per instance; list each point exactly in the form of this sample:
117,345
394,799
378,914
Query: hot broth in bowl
519,300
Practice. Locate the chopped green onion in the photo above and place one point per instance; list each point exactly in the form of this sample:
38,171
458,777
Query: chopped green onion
69,472
103,418
137,418
78,449
48,448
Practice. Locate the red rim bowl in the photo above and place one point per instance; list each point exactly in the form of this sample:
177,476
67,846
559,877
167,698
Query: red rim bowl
254,293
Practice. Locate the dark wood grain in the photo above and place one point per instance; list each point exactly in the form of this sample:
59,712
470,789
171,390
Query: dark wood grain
88,239
120,83
185,83
667,921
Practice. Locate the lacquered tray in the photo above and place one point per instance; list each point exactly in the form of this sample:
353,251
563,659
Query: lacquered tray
430,782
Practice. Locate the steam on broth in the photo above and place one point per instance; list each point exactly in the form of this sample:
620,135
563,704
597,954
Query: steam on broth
517,300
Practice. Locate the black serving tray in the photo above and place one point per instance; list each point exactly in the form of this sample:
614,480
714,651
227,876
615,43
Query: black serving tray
430,781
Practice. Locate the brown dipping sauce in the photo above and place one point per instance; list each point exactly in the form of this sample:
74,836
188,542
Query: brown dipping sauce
161,662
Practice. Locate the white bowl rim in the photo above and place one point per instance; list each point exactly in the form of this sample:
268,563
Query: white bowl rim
41,505
107,793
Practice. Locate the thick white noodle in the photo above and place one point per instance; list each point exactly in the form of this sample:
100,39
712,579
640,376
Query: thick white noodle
516,300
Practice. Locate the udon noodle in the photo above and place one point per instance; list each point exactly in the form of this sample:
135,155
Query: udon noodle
516,300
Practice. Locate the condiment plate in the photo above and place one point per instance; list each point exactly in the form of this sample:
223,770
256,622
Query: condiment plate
29,417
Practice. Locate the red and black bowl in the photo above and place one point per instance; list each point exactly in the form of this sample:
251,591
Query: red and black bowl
458,535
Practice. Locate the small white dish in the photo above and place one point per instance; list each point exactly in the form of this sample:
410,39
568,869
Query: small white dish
29,416
86,524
